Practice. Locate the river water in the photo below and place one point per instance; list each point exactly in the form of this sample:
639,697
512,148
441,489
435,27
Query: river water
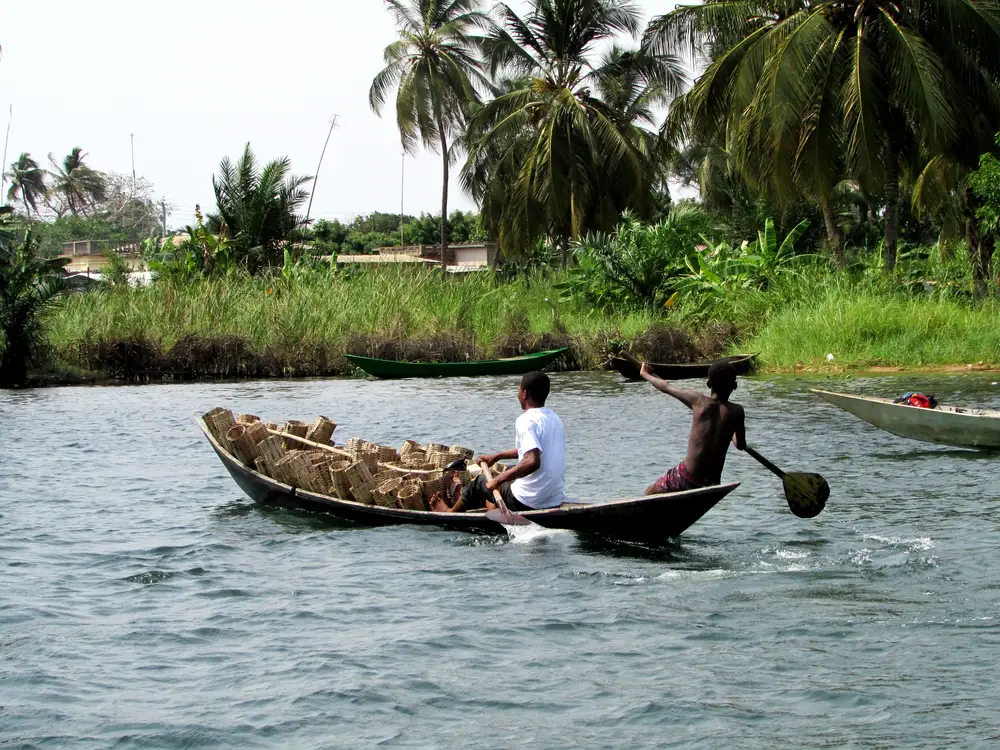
145,602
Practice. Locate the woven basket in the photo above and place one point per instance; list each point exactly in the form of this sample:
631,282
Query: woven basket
410,497
242,446
340,486
264,466
430,486
272,447
413,458
370,459
391,487
437,448
387,454
321,430
247,418
459,452
410,446
282,472
220,421
273,426
257,432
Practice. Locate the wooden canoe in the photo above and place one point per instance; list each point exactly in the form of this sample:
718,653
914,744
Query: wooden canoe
743,363
386,368
945,425
652,519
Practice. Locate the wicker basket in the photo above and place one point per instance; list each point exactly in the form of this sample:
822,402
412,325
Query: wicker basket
361,482
220,421
431,485
247,418
387,454
282,472
264,466
459,452
273,426
321,430
437,448
410,446
272,447
340,486
257,432
414,458
242,446
410,497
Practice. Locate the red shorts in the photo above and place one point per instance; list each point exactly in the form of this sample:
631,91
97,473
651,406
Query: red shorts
676,480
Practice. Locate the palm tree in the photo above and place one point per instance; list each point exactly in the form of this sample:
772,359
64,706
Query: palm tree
806,92
27,182
257,208
435,71
562,148
75,184
29,287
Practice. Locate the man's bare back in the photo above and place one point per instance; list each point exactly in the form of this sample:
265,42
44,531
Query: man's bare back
716,422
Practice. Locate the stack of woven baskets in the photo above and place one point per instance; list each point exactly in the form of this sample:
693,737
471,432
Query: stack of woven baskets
303,455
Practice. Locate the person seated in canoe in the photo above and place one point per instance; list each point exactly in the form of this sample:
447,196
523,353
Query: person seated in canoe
538,479
716,422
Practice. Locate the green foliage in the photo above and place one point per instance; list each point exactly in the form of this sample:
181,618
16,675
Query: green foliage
117,271
257,210
29,287
369,232
637,266
985,185
201,253
566,145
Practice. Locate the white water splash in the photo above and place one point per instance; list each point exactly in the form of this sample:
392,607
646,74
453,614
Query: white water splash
531,534
919,544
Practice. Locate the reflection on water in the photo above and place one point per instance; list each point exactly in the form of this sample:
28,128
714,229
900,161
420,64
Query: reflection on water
148,603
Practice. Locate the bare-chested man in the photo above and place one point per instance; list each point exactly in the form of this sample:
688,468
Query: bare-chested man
716,422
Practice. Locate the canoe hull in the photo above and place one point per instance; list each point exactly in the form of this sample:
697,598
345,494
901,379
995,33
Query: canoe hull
384,368
963,428
742,363
653,519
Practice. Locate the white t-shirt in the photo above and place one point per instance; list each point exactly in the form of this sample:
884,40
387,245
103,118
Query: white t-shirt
546,487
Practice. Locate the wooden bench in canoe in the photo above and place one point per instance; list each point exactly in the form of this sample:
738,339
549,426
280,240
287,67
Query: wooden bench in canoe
652,519
386,368
743,363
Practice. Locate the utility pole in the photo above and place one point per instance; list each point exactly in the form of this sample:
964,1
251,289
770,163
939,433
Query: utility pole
163,203
312,193
132,139
402,183
3,167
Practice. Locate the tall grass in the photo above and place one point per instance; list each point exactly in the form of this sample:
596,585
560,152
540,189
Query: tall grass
305,323
863,325
322,309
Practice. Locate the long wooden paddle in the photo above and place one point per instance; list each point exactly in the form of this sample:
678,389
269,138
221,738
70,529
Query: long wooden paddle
321,446
502,514
806,493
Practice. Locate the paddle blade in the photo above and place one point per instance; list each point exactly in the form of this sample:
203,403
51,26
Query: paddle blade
806,493
507,518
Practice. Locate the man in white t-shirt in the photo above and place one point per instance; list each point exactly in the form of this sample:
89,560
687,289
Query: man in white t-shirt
538,479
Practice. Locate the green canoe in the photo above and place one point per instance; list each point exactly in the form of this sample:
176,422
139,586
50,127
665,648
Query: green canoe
385,368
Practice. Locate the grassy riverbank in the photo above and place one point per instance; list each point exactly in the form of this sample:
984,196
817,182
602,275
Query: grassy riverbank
303,325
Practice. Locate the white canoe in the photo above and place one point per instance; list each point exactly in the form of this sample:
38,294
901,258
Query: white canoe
947,425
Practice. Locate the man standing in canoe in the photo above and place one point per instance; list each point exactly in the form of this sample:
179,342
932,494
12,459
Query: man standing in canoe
538,479
716,422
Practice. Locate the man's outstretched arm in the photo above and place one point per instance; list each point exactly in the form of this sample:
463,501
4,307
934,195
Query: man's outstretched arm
740,435
686,397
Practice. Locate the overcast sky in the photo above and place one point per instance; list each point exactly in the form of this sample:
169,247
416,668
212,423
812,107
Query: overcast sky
196,80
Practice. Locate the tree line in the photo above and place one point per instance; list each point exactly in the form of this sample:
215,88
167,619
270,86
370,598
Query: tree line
862,111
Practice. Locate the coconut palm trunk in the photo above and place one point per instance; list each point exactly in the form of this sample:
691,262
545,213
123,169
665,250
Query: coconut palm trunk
834,233
891,236
444,198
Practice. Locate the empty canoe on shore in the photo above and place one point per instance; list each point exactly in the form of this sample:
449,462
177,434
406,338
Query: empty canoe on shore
743,363
651,519
386,368
945,425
